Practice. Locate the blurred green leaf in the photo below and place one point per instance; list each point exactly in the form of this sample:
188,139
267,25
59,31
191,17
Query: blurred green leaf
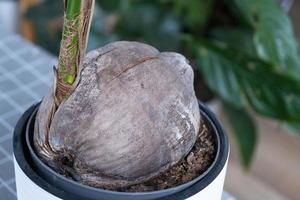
222,80
195,14
237,77
273,34
244,131
235,38
111,5
150,24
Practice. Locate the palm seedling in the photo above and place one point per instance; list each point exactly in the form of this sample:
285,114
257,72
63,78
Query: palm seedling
120,116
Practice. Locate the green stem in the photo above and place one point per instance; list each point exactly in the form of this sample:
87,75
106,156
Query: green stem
67,67
75,34
73,8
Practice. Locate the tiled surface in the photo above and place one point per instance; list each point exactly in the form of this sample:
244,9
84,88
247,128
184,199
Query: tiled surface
25,76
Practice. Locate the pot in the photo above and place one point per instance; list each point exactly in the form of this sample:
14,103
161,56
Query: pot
35,180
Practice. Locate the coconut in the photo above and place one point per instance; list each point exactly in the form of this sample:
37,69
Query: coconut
133,115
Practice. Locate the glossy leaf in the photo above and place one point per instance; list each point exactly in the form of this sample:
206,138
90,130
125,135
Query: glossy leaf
222,81
273,38
244,131
241,80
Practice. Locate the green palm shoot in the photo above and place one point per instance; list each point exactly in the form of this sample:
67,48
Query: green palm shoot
73,44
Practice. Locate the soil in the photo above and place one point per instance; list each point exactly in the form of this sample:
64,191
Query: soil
194,164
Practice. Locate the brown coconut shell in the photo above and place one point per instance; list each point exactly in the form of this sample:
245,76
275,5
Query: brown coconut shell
133,115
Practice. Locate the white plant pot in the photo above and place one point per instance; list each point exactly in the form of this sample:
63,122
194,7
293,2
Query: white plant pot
36,181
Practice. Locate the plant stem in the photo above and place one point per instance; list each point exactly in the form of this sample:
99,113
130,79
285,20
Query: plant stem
73,8
73,44
67,58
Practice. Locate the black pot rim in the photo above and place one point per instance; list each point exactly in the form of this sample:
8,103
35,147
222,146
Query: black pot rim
64,188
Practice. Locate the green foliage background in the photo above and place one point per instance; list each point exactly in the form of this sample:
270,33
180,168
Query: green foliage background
245,50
